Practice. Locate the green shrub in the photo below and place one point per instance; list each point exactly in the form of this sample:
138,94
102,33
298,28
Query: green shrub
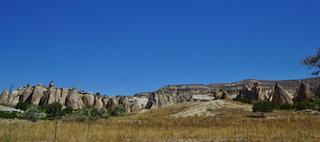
91,114
285,107
54,110
8,115
304,105
33,113
263,107
67,111
23,106
118,111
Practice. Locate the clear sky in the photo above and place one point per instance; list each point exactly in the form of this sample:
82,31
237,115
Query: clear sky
123,47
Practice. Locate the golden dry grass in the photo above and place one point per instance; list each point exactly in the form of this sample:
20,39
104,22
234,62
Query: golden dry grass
230,125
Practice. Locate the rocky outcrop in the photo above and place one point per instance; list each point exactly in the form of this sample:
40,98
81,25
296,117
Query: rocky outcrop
98,103
4,98
74,100
281,96
88,99
303,94
245,92
44,96
112,103
255,94
26,92
36,96
160,101
13,98
137,104
49,97
258,94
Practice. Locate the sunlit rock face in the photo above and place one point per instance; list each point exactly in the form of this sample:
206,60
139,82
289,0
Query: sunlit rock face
281,96
304,93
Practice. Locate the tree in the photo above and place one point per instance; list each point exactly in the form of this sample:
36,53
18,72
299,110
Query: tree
23,106
313,61
54,110
263,107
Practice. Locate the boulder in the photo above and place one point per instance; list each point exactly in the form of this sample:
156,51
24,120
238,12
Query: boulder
124,101
137,103
218,94
257,93
105,101
4,98
226,96
26,93
98,102
14,98
37,94
160,101
246,92
88,99
49,97
74,100
112,103
281,96
303,93
63,96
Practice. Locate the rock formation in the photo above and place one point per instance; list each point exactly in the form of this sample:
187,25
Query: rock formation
74,100
160,101
88,99
303,93
4,98
246,92
98,103
38,92
44,96
13,98
254,94
25,93
281,96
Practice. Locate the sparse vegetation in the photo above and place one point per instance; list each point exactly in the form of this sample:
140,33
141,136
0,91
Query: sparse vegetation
91,114
23,106
8,115
156,125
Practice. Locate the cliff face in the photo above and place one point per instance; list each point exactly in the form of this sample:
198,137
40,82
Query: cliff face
255,90
69,97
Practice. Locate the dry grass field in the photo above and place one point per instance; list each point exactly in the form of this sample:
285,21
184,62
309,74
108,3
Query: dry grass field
158,126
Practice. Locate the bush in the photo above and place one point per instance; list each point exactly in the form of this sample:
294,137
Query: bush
23,106
285,107
66,111
263,107
33,113
118,111
54,110
304,105
8,115
91,114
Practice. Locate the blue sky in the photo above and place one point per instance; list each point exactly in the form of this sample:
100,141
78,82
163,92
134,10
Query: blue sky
124,47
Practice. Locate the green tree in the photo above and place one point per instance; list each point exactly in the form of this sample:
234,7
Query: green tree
263,107
23,106
54,110
313,61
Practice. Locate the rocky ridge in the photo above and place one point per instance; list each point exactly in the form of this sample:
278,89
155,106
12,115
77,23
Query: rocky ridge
68,97
279,92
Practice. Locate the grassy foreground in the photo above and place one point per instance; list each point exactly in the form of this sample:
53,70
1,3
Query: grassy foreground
157,126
